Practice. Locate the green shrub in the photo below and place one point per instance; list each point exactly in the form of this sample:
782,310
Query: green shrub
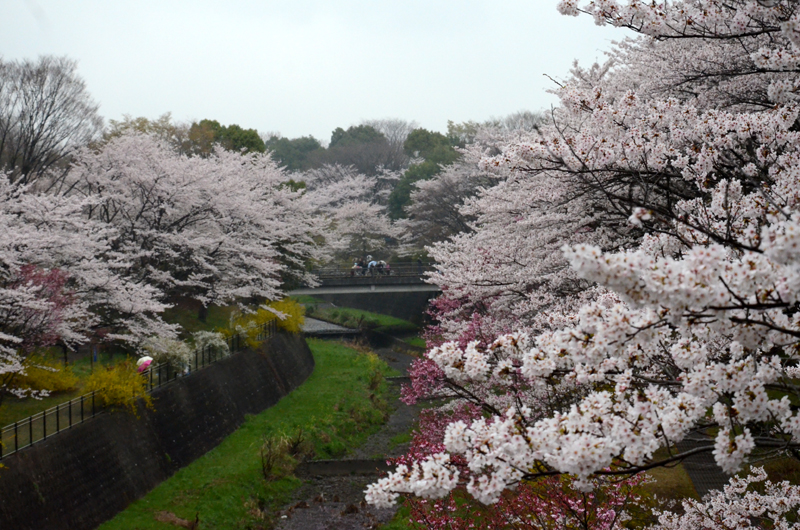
334,448
276,462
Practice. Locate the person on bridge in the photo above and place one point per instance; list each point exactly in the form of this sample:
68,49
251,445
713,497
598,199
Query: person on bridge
362,266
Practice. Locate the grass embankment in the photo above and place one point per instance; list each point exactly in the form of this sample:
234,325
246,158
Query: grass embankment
338,407
419,342
306,300
401,520
671,483
358,318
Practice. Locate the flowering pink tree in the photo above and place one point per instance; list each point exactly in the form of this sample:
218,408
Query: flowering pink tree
39,325
353,208
34,305
694,331
549,502
133,224
214,228
60,279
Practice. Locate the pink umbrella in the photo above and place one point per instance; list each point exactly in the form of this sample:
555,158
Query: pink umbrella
143,363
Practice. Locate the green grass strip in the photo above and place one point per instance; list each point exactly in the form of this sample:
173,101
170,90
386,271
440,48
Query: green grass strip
306,299
419,342
355,318
338,407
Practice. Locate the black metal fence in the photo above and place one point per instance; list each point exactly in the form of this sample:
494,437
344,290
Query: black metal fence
401,269
43,425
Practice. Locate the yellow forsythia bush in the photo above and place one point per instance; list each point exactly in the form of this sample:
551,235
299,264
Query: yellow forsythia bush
119,386
288,314
46,374
295,315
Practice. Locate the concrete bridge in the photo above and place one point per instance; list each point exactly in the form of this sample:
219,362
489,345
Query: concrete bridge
398,278
401,291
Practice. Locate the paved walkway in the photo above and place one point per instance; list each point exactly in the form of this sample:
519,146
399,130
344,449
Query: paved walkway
312,326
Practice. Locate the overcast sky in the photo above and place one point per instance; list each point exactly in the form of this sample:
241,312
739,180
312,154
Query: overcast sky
303,67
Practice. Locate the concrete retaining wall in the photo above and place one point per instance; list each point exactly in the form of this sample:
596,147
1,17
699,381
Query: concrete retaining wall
84,476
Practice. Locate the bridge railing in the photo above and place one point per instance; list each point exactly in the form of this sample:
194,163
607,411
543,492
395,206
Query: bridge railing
401,269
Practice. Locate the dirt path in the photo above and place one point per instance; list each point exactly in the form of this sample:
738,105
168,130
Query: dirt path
337,501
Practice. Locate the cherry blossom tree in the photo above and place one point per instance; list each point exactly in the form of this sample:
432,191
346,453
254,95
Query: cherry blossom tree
692,333
215,228
133,225
61,281
499,256
548,503
265,223
435,212
353,207
508,272
739,506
